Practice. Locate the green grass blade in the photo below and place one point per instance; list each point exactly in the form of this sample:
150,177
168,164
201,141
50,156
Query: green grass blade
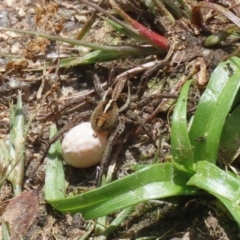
156,181
230,138
215,181
54,178
178,11
125,31
72,41
233,209
117,221
104,56
220,184
180,144
213,109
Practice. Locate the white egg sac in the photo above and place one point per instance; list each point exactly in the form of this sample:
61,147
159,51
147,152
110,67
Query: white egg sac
83,147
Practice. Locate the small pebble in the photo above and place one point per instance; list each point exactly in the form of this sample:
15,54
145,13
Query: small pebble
4,18
81,18
10,3
21,12
27,2
15,48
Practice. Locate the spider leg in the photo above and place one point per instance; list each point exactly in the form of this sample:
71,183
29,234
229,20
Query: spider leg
111,141
97,85
131,115
126,104
149,99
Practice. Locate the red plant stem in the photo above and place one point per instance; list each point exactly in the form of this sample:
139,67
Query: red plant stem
156,39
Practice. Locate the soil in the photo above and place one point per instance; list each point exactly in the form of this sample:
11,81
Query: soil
21,66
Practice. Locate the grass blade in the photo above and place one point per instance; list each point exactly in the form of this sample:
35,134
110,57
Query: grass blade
124,30
153,38
156,181
104,56
180,144
215,181
230,138
54,179
222,185
72,41
117,221
213,108
233,209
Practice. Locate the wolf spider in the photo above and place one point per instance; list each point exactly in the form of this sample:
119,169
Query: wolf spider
111,114
110,117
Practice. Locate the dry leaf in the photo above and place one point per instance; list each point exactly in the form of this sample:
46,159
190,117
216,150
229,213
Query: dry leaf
20,213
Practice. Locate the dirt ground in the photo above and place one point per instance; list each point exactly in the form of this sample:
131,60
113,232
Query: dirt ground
175,218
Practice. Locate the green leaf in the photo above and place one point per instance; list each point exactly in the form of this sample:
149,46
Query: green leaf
153,182
220,184
213,109
180,144
214,180
233,209
54,178
230,138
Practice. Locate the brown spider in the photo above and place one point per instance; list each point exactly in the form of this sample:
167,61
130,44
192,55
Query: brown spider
107,115
111,114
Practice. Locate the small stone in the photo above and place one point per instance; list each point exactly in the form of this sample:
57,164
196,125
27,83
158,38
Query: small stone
21,12
10,3
31,10
15,48
81,18
26,2
5,18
